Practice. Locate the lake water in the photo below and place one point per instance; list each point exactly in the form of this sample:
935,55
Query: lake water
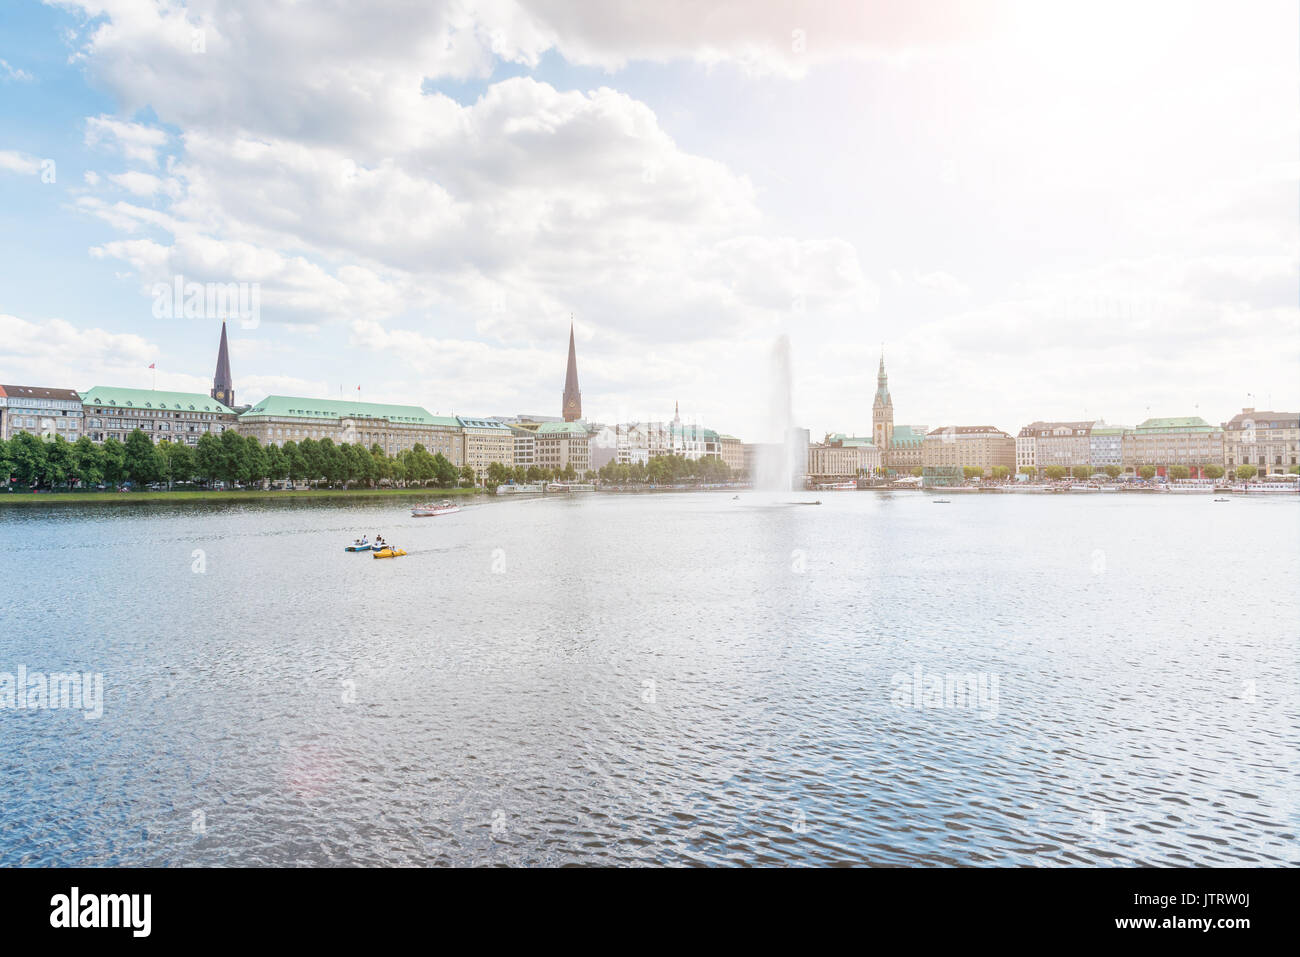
672,678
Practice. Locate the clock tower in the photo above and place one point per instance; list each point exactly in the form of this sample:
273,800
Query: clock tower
882,411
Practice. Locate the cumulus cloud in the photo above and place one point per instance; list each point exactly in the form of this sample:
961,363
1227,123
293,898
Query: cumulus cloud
1070,163
57,353
509,213
340,67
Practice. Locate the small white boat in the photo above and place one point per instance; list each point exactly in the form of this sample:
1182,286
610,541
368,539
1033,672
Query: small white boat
429,510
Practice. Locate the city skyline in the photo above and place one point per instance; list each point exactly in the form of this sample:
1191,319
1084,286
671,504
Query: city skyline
222,388
694,231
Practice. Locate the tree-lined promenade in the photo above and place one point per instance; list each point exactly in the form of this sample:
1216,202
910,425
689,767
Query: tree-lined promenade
30,461
230,458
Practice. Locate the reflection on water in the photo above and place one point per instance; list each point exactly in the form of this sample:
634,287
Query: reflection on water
657,679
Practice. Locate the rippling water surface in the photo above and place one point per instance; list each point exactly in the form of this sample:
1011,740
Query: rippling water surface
676,679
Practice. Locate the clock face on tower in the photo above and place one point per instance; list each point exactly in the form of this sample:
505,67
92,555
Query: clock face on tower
221,396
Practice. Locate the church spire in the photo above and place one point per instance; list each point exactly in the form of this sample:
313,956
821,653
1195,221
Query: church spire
223,387
572,396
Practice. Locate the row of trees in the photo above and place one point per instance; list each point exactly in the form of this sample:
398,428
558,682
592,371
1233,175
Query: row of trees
229,457
667,470
499,474
234,458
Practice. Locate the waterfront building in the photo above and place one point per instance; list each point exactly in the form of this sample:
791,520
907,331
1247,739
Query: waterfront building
608,443
1044,444
525,419
1165,442
1026,448
525,446
561,444
981,446
647,440
904,451
831,463
113,413
486,441
572,405
41,411
732,451
223,386
1106,446
1270,441
693,441
868,455
394,428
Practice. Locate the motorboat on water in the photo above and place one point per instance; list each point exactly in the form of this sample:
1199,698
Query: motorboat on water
429,509
388,551
360,545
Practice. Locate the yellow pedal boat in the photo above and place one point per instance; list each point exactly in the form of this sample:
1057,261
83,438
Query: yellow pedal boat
389,552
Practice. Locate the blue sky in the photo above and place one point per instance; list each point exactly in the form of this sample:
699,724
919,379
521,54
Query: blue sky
1041,212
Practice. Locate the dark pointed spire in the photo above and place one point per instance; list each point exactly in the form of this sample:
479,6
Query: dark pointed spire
572,397
223,386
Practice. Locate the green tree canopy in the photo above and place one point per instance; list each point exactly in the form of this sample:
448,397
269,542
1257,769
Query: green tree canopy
142,462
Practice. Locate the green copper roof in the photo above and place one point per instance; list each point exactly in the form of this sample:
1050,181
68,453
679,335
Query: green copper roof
850,441
492,424
1186,424
575,428
152,399
904,436
288,406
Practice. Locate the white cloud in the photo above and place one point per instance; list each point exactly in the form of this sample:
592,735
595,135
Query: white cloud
21,163
135,141
56,353
137,183
1094,211
9,72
